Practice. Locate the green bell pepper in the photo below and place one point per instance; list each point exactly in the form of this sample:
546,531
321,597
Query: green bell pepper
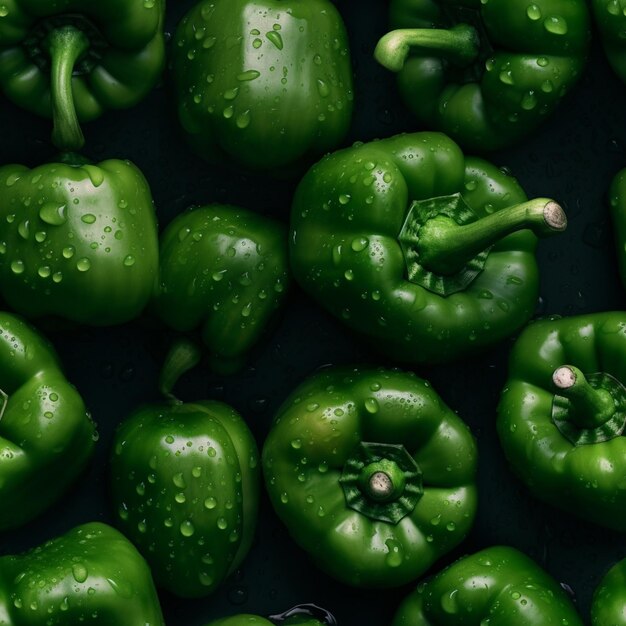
91,575
563,410
372,474
74,59
498,586
611,21
609,600
230,267
184,484
303,615
78,241
485,72
266,82
617,206
46,434
426,252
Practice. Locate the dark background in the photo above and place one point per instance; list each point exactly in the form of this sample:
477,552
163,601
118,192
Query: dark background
572,158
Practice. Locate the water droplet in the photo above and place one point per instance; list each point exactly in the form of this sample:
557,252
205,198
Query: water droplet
248,75
12,178
187,529
53,214
506,77
179,480
257,43
243,119
229,111
533,12
222,524
18,267
210,503
449,602
371,405
44,271
40,236
275,38
359,244
129,260
88,218
83,265
79,572
4,11
529,101
231,94
555,25
323,88
394,556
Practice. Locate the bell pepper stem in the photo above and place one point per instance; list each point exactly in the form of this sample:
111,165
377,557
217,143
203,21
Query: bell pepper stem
444,246
589,407
65,46
183,356
459,44
4,401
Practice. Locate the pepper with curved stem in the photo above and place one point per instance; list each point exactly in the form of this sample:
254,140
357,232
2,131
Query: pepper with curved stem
589,407
445,247
65,45
460,45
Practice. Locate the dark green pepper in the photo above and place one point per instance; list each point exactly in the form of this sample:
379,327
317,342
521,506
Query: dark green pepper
611,20
426,252
77,241
617,204
268,83
74,59
184,483
46,434
230,267
303,615
498,586
91,575
485,72
609,600
372,474
562,413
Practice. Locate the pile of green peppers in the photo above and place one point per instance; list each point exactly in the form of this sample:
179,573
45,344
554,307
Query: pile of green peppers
426,254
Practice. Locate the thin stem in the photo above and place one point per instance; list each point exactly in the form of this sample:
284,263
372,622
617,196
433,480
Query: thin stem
459,44
183,356
589,407
444,246
66,45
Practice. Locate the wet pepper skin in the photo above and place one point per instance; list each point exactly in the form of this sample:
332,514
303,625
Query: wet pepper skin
111,55
372,474
46,434
611,20
486,72
77,241
346,221
498,586
268,83
231,269
609,600
184,484
91,575
586,478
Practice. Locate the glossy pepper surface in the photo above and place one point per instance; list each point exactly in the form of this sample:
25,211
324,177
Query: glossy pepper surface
498,586
269,83
617,205
77,241
486,73
372,474
610,18
562,413
230,267
46,434
609,600
91,575
74,59
304,615
428,253
184,484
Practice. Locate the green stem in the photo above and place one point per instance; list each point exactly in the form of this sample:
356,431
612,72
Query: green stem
4,401
589,407
459,44
445,247
382,481
65,46
183,356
